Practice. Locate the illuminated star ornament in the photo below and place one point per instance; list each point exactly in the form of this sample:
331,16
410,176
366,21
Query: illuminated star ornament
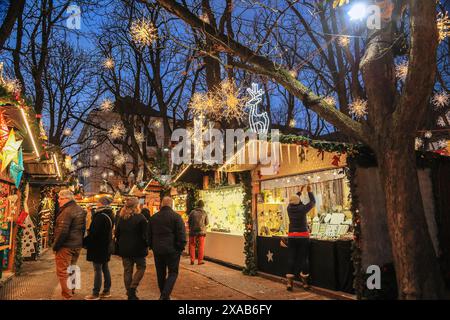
106,105
120,159
16,169
232,104
140,138
10,150
443,25
440,100
143,32
358,108
108,63
117,131
401,70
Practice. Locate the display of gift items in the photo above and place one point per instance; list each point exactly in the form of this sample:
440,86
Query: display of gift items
179,205
331,219
224,208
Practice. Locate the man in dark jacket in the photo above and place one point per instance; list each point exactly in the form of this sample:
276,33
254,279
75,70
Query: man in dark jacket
69,232
167,239
198,221
99,249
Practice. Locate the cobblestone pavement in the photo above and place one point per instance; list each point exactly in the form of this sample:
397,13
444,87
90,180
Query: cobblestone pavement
210,281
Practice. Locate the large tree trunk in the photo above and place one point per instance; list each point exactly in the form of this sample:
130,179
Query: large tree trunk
415,261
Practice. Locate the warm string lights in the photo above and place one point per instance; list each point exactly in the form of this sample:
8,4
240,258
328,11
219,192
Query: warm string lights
143,32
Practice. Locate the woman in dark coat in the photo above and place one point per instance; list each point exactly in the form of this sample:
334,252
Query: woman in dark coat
132,245
298,243
98,244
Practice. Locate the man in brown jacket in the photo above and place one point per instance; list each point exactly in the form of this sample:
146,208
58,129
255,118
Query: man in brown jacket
69,232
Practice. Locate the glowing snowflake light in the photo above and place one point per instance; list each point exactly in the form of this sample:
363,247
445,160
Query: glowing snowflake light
441,122
418,143
107,105
120,159
428,134
292,123
330,101
440,100
358,108
117,131
232,104
143,32
343,41
443,24
67,132
157,124
401,70
86,173
139,136
108,63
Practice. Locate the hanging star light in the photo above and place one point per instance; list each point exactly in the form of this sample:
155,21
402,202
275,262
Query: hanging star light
441,122
67,132
330,101
139,136
16,169
106,105
120,159
108,63
143,32
401,70
344,41
358,108
10,150
231,106
157,124
443,25
428,134
440,100
418,143
117,131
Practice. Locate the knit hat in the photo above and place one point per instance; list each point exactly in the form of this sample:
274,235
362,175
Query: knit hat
106,201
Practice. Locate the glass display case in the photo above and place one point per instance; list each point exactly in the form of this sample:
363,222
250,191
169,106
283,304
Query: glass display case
224,208
330,219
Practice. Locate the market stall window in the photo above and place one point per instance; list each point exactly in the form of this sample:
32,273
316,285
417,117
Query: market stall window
331,219
179,205
225,211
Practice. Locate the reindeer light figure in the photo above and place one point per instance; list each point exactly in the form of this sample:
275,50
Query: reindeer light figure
259,122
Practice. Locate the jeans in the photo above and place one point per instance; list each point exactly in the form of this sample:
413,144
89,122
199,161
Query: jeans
64,258
132,281
201,247
164,263
99,269
298,256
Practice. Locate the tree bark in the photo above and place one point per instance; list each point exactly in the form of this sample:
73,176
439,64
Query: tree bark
15,8
416,265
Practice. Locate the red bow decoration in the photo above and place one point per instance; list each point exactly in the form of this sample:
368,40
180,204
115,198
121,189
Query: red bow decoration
336,160
21,219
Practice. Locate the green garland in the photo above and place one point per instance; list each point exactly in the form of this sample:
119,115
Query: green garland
249,239
358,283
328,146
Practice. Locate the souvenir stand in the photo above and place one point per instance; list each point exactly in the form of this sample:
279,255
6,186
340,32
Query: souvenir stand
303,162
18,145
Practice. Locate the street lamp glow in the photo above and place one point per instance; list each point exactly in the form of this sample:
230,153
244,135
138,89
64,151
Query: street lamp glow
358,11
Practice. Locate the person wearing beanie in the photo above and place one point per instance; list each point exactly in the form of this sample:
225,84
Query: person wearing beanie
99,247
298,239
132,245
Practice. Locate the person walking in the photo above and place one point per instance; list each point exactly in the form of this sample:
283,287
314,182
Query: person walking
69,232
131,245
167,239
98,245
198,221
298,239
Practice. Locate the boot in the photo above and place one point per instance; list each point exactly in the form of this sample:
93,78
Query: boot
304,278
290,282
132,294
